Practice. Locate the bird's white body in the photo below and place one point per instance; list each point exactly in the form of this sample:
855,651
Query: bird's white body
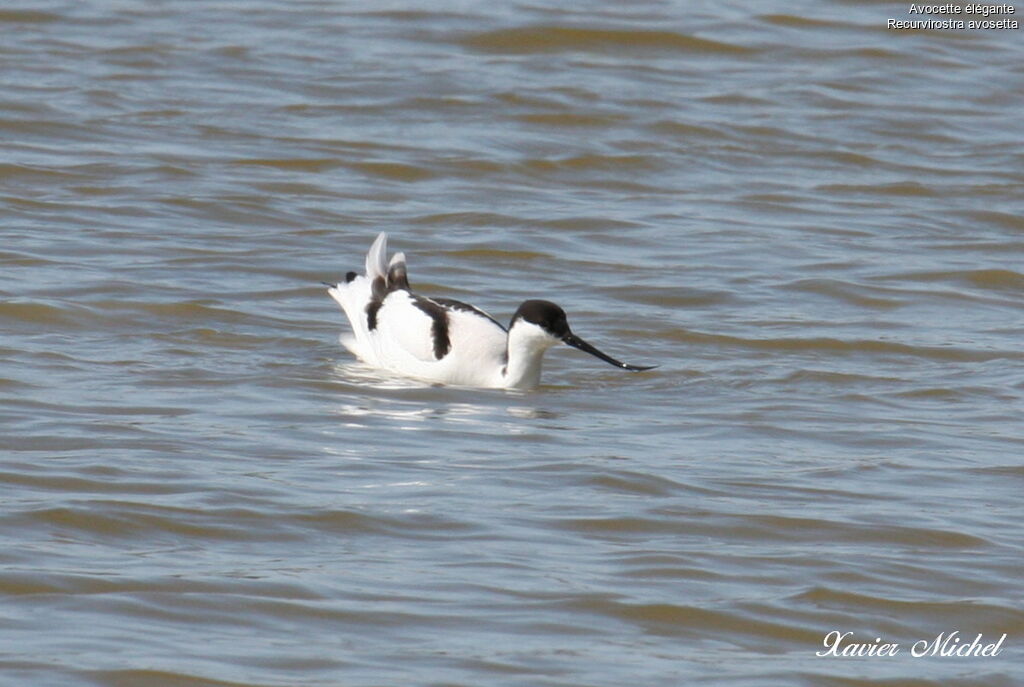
441,340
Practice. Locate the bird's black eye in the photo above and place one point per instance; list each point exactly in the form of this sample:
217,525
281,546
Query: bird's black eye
558,326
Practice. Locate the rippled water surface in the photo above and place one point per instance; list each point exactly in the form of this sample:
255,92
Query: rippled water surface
812,223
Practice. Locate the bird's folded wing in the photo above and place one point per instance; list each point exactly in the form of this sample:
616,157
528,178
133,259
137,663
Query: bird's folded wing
404,328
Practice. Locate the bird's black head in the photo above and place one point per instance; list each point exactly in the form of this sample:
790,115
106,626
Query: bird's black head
551,319
545,315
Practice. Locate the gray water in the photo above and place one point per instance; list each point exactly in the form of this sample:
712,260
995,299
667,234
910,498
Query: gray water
812,223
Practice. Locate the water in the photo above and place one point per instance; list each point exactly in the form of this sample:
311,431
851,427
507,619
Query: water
812,223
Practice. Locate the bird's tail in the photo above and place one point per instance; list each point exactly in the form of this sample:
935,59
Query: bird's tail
356,291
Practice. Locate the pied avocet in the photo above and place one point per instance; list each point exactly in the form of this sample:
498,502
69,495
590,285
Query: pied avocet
443,340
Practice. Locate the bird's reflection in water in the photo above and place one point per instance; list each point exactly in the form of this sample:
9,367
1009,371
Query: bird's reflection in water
414,403
533,413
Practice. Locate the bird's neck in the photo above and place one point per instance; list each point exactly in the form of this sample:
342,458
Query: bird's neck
526,347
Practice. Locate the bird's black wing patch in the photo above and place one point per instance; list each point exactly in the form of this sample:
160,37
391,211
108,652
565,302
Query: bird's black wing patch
439,324
398,277
378,290
466,307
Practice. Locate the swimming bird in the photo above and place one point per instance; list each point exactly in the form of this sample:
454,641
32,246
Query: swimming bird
443,340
